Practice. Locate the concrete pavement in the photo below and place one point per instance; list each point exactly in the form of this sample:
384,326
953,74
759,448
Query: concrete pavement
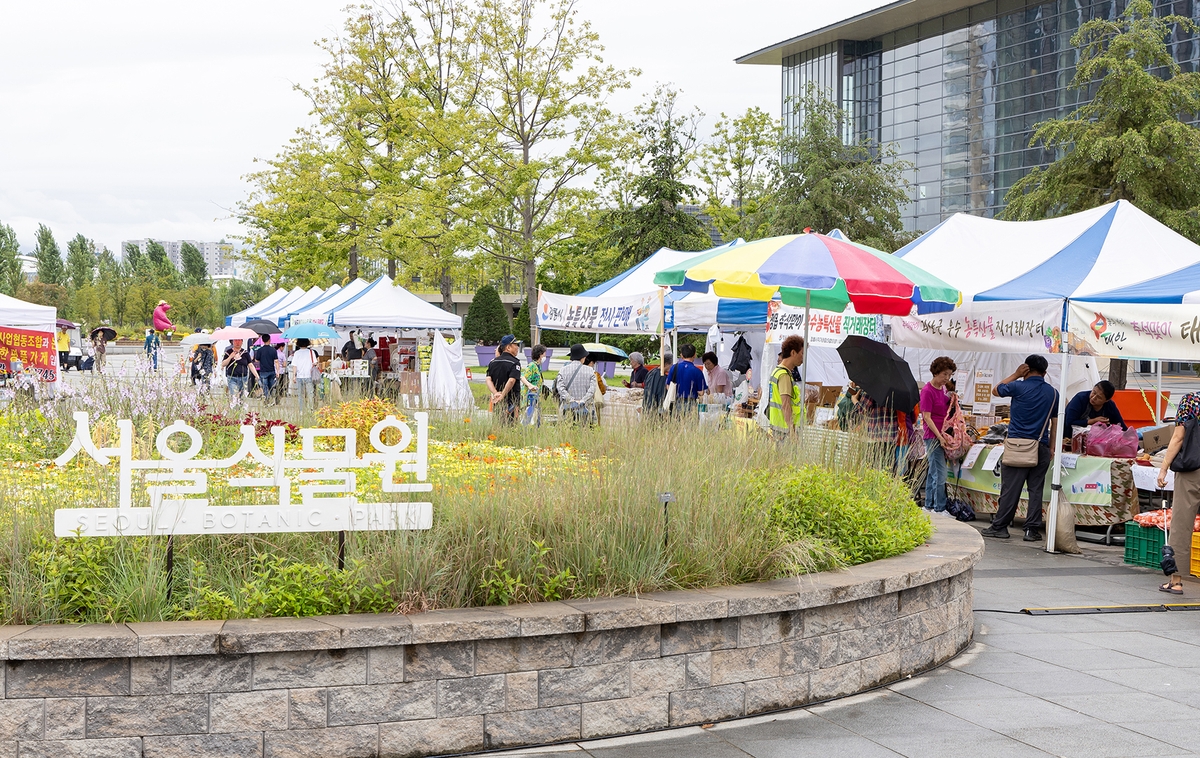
1086,686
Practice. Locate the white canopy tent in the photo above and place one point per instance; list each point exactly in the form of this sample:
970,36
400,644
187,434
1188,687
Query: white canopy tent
304,303
1021,280
305,298
261,311
319,311
270,301
22,315
385,305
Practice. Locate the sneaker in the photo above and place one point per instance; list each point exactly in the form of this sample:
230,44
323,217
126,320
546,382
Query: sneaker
1032,535
1000,534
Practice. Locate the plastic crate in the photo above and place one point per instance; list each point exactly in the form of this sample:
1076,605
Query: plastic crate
1195,553
1143,545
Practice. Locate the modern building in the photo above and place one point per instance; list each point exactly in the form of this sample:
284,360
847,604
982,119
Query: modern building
958,86
218,256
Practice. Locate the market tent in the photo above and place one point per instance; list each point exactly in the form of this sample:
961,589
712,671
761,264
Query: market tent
319,310
305,298
304,304
385,305
270,301
19,314
261,311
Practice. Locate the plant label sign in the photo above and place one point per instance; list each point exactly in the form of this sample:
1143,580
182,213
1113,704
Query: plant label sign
327,481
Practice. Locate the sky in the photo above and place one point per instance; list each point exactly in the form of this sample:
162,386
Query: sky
129,119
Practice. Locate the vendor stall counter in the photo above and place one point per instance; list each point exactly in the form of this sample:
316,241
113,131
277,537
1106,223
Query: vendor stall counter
1101,489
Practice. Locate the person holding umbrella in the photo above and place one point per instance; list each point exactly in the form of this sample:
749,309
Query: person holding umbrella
100,337
783,399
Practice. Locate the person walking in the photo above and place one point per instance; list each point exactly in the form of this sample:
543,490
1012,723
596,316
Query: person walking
504,379
101,347
533,381
935,406
151,348
203,360
783,398
308,372
1032,416
1186,495
268,367
239,366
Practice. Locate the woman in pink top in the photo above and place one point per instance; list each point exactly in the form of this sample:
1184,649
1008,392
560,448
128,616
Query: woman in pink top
935,404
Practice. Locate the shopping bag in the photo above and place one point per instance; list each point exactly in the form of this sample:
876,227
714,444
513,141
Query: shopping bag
957,441
1112,441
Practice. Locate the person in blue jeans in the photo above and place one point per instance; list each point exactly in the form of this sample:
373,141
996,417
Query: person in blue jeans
935,406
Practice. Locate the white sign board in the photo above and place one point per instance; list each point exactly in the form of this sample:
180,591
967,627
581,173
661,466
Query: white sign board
631,314
326,481
1118,330
825,328
984,382
1002,327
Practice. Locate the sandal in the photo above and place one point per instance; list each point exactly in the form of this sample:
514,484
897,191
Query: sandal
1175,588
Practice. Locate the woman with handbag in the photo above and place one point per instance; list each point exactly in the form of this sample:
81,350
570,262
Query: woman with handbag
935,407
1182,457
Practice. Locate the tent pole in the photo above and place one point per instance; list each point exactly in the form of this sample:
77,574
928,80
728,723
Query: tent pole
1159,406
804,363
1051,517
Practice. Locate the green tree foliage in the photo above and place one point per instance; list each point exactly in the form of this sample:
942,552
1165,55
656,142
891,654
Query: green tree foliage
522,327
236,295
115,278
50,263
193,307
161,269
195,270
11,276
81,262
136,261
44,293
666,142
739,167
826,183
1131,140
487,320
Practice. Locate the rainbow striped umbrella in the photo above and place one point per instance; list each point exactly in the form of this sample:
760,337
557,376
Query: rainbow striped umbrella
816,271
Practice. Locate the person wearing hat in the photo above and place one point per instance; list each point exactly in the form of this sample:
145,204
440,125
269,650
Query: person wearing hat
504,379
575,386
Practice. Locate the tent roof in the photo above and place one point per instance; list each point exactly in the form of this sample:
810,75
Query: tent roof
385,305
640,278
317,311
270,301
18,313
1080,256
304,303
303,300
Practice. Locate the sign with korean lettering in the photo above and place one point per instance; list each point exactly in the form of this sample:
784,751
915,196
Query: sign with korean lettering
824,328
326,482
33,350
1000,327
984,379
633,314
1168,331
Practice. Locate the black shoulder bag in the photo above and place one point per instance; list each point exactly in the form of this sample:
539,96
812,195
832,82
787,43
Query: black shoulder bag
1188,457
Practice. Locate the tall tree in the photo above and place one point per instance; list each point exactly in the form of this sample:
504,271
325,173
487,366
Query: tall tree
135,258
49,257
195,270
115,278
11,275
828,183
1132,140
81,262
543,97
666,140
166,276
738,166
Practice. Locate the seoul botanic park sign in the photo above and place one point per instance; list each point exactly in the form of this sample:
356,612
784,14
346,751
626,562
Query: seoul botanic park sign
325,479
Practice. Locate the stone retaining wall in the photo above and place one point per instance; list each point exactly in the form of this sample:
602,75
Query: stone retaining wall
471,679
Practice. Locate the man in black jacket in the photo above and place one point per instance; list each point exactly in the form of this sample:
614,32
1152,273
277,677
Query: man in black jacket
504,381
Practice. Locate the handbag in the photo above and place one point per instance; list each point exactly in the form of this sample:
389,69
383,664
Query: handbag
669,399
956,430
1188,457
1024,453
314,371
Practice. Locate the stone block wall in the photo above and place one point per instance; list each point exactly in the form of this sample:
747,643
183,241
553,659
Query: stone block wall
452,681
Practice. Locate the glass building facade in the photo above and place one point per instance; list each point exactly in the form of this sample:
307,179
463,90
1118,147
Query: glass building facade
960,94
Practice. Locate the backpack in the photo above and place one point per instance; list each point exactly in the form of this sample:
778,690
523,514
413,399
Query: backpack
740,356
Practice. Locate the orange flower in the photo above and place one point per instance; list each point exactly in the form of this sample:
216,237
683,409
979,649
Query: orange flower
466,421
491,436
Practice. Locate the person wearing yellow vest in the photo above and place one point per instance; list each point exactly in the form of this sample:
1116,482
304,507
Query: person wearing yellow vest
783,401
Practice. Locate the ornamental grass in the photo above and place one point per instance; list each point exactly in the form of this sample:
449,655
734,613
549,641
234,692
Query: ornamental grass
520,515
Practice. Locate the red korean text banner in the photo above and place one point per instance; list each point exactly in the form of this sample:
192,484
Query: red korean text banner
33,350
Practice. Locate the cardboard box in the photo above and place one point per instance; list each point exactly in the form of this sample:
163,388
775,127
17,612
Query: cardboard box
1157,438
828,396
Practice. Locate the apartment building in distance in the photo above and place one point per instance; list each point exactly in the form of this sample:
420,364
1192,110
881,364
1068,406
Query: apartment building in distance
218,256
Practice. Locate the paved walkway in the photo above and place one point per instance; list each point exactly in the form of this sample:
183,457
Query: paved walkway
1119,685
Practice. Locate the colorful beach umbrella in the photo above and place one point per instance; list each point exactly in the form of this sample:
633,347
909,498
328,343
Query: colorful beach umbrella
816,271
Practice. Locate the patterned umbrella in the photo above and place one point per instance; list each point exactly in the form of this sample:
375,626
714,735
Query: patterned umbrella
814,270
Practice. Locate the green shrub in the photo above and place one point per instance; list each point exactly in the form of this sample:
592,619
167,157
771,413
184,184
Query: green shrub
862,516
487,320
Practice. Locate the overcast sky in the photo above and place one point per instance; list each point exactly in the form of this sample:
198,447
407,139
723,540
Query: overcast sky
126,119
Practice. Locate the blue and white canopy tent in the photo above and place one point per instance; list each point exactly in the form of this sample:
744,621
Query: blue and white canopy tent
1110,281
279,313
319,311
270,301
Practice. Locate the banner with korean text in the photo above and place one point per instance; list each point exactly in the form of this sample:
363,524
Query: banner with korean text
1166,331
630,314
28,350
825,328
1019,326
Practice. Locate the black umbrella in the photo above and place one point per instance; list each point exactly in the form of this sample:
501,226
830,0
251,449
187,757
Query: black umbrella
262,327
110,334
881,373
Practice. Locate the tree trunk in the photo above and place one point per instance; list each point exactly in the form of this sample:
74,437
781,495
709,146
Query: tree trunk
529,291
391,268
447,289
353,261
1118,372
